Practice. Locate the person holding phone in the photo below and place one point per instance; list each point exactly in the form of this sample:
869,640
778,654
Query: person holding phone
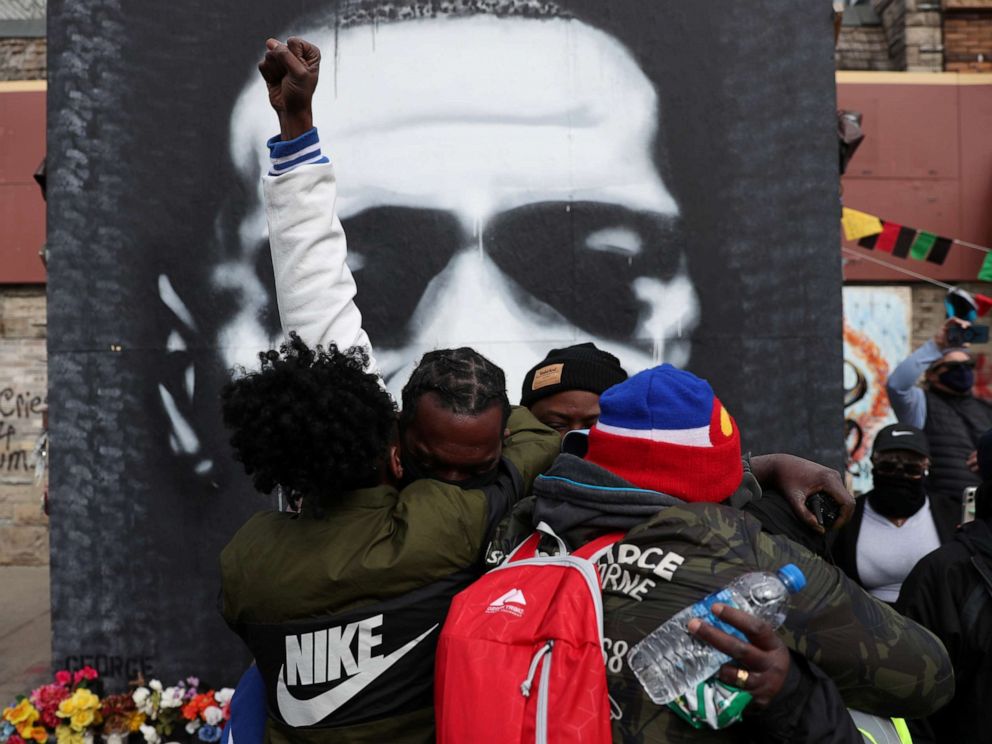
944,406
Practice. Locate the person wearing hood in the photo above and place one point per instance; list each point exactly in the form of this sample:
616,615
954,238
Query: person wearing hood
663,464
950,592
945,407
896,523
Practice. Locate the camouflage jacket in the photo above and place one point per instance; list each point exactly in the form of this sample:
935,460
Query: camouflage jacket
881,662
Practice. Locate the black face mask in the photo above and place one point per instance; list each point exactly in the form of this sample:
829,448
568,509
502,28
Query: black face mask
896,497
413,471
958,377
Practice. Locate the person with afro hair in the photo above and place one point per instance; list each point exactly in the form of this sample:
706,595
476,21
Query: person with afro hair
311,422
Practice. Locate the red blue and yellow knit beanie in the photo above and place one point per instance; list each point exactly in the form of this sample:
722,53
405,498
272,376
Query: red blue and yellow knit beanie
665,430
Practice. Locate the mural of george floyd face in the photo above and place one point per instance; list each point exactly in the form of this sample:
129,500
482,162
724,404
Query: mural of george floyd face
491,198
657,177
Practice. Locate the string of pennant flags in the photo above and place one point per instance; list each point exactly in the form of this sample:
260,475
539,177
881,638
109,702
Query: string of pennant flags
900,241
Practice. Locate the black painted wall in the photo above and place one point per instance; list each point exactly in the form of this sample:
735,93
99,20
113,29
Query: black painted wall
145,203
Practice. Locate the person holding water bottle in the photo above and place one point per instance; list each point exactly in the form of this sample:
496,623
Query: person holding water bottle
662,457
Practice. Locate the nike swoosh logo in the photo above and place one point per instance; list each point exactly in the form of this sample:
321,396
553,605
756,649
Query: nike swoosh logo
298,712
902,433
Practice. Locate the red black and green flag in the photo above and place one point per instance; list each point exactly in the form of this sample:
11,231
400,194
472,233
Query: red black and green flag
985,274
941,247
922,245
904,239
884,241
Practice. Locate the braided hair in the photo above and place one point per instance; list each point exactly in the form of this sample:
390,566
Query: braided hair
464,381
311,421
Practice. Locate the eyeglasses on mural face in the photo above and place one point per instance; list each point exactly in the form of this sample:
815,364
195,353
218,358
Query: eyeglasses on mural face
576,257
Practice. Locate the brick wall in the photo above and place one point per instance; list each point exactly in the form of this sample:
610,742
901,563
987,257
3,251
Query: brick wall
23,392
967,4
913,31
863,48
893,15
968,34
22,59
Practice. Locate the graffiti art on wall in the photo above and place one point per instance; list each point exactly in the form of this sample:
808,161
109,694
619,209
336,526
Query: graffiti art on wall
876,339
19,410
513,175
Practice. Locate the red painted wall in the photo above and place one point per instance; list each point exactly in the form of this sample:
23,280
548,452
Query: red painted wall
926,162
22,209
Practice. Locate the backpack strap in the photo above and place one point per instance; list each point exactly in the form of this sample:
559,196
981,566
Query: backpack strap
526,549
592,549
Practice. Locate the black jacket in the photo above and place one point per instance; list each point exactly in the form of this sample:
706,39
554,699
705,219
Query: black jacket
844,545
947,593
953,426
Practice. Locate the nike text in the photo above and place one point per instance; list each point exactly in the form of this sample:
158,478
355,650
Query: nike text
316,658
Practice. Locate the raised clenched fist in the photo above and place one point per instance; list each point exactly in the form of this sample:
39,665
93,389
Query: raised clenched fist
290,71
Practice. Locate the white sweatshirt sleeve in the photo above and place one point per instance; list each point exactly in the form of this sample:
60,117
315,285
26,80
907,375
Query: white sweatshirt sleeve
315,290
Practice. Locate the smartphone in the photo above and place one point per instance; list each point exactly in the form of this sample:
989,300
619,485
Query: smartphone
968,505
976,334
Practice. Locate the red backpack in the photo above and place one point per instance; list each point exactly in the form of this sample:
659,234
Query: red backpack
520,657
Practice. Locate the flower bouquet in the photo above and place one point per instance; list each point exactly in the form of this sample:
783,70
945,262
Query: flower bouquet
70,710
207,712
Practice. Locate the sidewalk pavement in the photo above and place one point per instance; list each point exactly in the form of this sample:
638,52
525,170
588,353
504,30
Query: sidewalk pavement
25,631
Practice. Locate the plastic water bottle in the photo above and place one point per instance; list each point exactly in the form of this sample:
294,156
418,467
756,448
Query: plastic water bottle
669,662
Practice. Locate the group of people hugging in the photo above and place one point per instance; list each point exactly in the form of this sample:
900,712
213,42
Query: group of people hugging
395,510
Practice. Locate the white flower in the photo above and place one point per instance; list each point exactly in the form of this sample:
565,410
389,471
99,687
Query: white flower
213,715
192,726
223,696
172,697
150,734
142,701
155,685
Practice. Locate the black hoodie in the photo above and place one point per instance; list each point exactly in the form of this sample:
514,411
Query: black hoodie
947,593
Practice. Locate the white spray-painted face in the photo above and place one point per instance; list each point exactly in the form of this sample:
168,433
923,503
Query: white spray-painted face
491,122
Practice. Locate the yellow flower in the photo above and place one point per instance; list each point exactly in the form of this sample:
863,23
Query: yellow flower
67,707
38,733
134,721
83,702
86,699
65,735
21,714
81,719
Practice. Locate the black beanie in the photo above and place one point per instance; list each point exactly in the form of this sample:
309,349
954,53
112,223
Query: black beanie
579,367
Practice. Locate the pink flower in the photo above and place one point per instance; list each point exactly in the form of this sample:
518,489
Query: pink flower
63,677
87,672
46,699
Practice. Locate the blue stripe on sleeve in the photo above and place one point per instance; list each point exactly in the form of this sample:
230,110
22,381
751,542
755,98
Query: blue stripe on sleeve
306,148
